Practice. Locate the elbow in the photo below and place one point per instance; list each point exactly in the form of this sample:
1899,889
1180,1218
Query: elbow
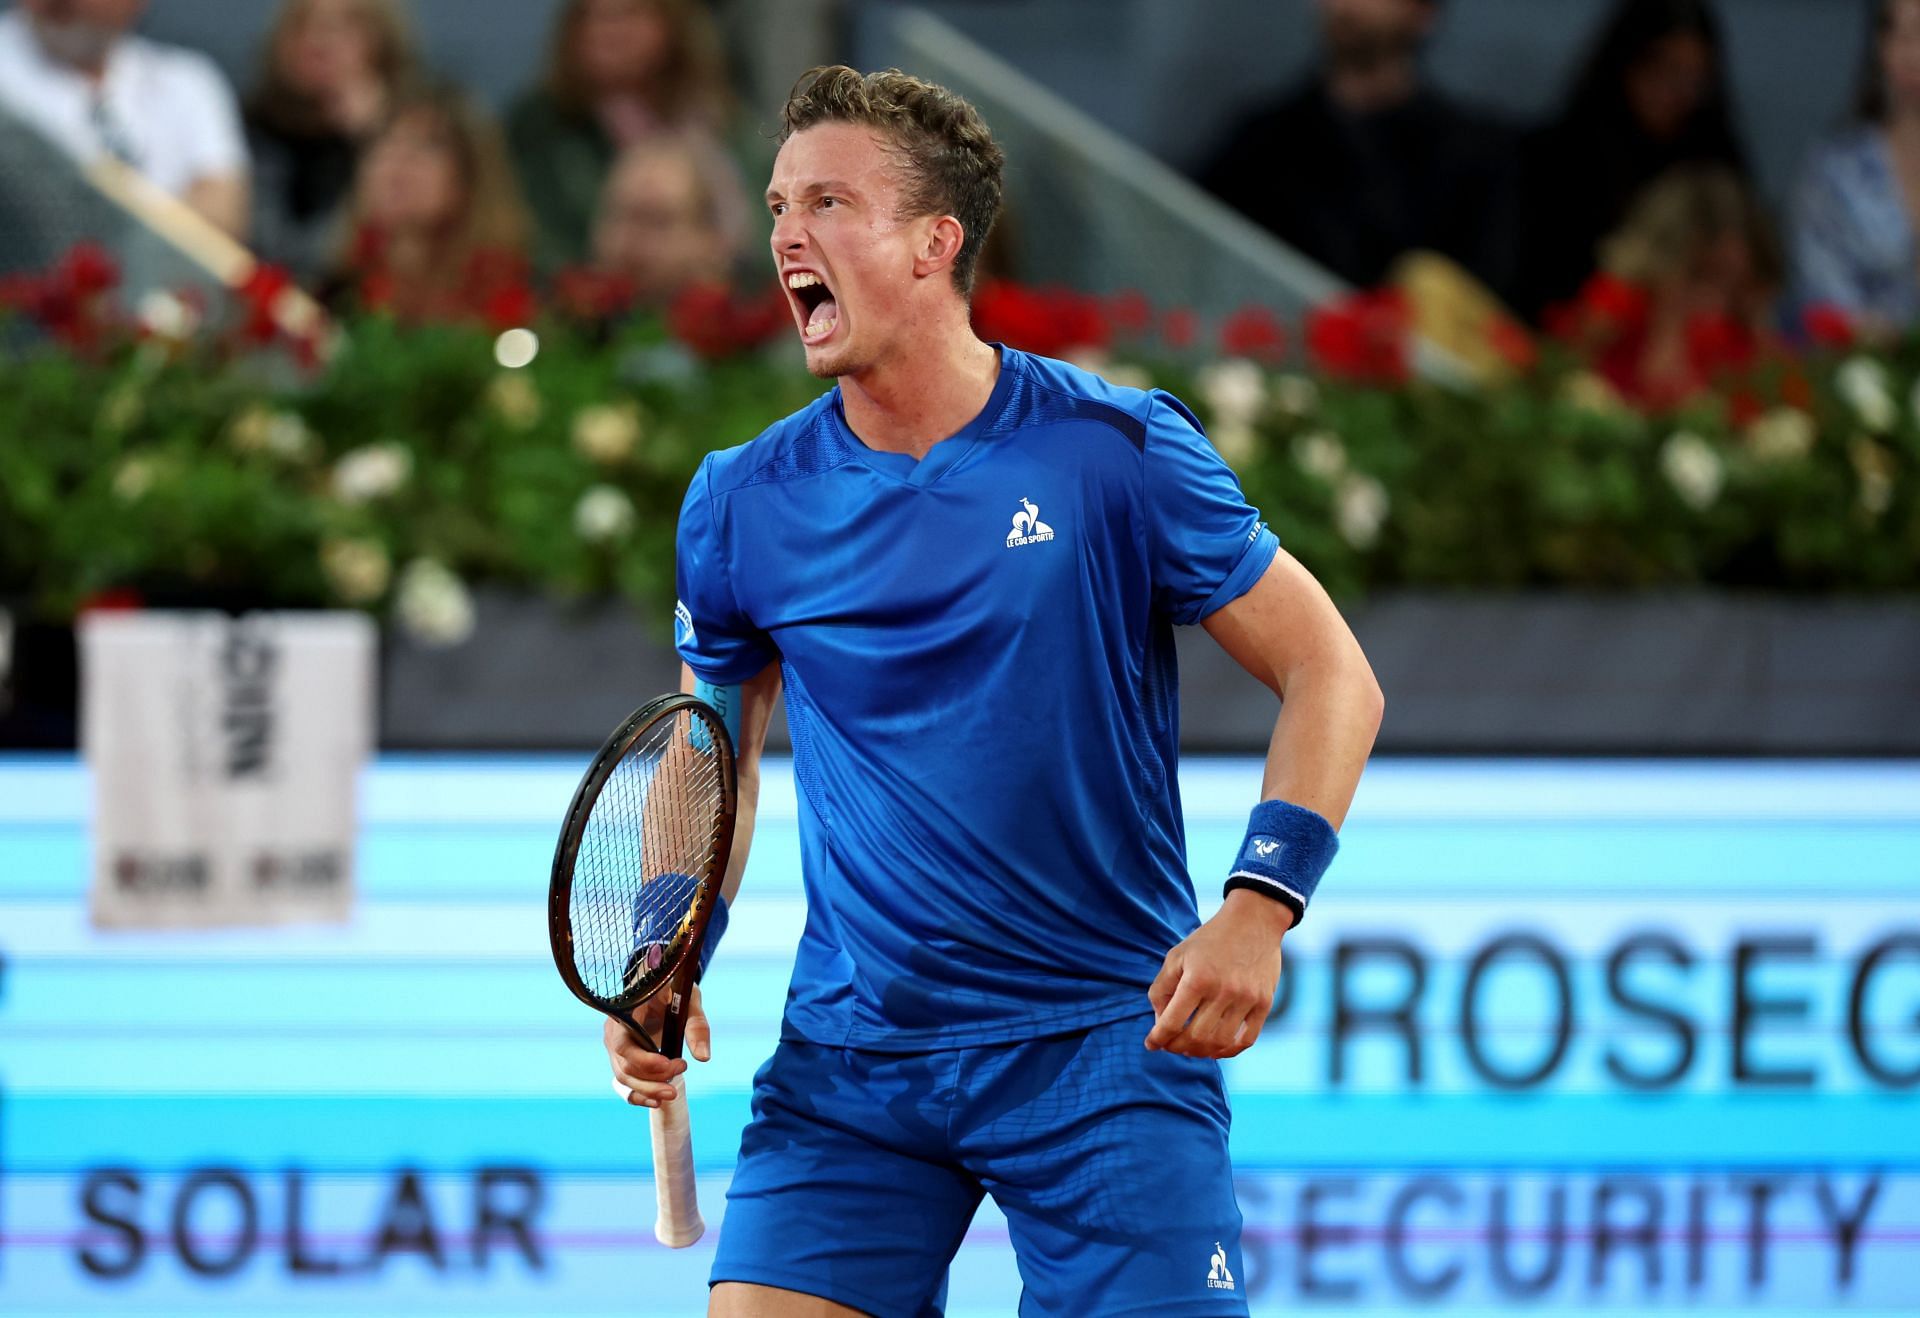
1369,701
1376,705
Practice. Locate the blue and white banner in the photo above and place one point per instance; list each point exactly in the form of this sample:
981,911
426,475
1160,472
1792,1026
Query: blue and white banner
1556,1035
225,754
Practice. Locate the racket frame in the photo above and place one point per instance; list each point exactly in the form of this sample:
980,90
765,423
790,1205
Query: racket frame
679,982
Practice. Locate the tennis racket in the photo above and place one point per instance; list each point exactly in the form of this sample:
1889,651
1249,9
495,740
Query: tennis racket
635,877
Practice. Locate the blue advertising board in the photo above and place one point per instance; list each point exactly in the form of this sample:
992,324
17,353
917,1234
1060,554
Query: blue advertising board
1558,1035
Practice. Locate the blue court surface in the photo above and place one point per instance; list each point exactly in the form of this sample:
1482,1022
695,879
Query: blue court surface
1557,1035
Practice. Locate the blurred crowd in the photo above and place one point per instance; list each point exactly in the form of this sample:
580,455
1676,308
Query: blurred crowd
1637,190
376,183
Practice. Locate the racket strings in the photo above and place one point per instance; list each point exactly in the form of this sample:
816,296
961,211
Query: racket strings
646,848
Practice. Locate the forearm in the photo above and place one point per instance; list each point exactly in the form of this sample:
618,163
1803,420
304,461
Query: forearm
1329,715
221,200
747,710
747,807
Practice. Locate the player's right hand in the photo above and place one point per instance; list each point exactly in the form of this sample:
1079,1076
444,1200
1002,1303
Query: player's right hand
640,1075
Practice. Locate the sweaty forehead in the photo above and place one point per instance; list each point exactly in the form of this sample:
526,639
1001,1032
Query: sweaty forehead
850,155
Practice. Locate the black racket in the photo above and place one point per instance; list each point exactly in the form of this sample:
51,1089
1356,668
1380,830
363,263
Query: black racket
635,878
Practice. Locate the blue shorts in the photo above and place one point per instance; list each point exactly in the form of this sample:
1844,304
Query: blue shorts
860,1171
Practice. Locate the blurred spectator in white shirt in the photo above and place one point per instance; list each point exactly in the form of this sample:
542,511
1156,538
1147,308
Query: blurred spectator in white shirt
1856,209
72,70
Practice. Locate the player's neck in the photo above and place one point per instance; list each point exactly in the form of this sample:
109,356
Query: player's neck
916,399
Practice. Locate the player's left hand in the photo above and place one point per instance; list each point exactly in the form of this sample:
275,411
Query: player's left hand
1215,989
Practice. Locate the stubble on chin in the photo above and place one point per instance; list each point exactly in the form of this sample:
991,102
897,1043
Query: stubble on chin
832,365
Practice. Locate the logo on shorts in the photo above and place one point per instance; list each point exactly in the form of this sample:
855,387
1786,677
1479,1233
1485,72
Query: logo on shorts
1028,529
1218,1278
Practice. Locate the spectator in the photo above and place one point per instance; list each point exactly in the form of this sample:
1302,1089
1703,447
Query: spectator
1652,96
331,70
72,70
437,228
1858,203
1698,248
662,222
1368,161
618,72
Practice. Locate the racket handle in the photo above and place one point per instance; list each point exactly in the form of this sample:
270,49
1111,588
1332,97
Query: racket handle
679,1223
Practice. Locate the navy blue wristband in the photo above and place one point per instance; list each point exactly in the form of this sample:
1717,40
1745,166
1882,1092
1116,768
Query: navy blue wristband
1288,848
716,929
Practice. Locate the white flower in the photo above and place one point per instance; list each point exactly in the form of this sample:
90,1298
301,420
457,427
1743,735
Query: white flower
268,430
603,514
1360,506
357,569
1781,434
122,408
433,604
165,316
1875,468
1862,381
1235,441
606,433
371,472
1321,454
288,436
1235,390
514,399
1593,394
1295,395
1693,468
134,478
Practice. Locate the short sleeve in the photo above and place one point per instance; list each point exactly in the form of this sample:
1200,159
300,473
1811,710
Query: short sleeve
1822,238
208,117
1207,545
712,633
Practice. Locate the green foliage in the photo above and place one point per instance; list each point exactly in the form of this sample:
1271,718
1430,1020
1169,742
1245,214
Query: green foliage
166,469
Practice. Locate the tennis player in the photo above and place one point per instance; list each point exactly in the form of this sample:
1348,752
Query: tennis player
964,564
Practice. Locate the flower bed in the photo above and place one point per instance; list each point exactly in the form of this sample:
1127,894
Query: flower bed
161,453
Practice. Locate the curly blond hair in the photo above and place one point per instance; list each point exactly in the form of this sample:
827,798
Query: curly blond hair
952,164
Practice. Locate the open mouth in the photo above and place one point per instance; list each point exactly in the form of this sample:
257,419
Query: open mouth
820,312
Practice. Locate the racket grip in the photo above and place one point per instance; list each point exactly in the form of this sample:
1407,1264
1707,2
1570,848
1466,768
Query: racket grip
679,1223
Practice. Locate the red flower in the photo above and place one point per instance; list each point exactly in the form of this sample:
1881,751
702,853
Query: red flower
585,293
1362,337
1130,313
260,300
714,321
1614,302
1179,328
1718,343
1045,321
1254,331
508,306
1829,327
1513,344
20,293
87,270
1561,321
1796,390
1005,312
113,599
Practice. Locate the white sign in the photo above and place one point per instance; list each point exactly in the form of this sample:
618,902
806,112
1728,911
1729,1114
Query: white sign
225,753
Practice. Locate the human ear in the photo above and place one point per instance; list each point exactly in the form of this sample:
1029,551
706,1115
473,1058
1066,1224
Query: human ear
940,246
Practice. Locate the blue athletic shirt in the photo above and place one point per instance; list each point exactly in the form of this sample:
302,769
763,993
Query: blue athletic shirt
981,689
